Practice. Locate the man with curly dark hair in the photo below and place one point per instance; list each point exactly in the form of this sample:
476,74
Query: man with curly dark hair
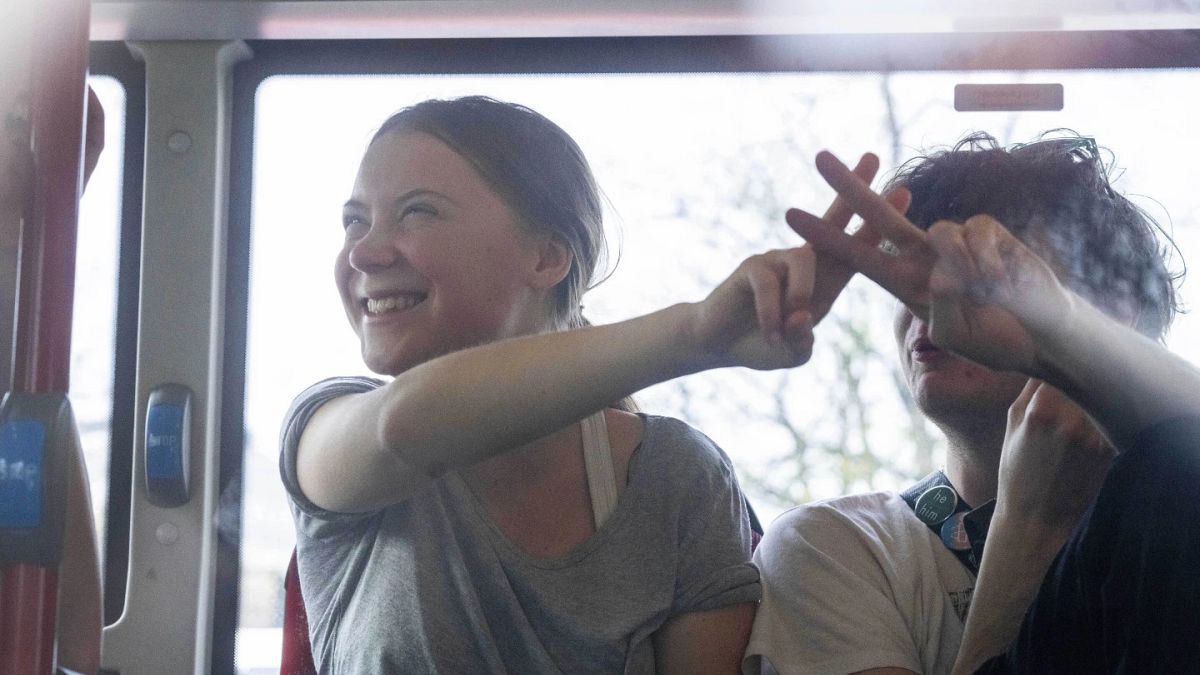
883,582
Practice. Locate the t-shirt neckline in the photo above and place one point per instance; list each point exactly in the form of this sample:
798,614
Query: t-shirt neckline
477,512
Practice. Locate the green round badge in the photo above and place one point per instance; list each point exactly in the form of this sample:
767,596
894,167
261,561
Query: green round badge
936,504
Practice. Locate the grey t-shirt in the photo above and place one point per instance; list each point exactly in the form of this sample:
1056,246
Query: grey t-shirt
432,585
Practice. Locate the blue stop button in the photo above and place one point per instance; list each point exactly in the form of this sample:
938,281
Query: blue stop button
22,451
164,442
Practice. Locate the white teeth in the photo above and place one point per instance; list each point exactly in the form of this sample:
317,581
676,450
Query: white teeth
393,303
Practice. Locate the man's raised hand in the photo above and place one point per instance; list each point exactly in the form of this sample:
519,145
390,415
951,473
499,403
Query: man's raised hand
832,273
991,297
981,289
904,273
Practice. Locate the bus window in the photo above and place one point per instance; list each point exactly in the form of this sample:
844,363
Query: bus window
698,169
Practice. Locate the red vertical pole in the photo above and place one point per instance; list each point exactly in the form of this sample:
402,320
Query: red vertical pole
42,346
43,331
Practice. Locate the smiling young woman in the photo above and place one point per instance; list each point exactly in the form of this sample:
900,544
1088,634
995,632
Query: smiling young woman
490,508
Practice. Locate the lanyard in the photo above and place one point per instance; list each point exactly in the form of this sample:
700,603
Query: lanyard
961,529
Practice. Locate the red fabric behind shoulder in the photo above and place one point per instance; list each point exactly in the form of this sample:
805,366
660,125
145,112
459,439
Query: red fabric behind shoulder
297,650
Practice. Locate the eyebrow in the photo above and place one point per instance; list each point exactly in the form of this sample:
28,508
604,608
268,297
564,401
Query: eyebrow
357,205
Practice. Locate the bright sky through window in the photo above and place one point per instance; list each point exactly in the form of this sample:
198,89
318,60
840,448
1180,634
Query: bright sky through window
697,170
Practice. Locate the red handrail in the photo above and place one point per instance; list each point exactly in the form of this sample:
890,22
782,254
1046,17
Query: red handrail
42,346
43,330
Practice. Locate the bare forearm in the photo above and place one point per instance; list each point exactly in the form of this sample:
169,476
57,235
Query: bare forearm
1125,381
363,452
360,453
1014,563
472,404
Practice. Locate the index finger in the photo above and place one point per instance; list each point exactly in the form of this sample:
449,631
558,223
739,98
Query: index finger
840,212
895,274
872,207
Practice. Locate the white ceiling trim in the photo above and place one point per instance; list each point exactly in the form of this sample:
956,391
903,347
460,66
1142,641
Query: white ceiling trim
367,19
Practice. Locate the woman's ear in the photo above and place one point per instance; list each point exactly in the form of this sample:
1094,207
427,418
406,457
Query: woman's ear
553,263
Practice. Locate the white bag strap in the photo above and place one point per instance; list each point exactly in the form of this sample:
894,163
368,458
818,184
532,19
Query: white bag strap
598,462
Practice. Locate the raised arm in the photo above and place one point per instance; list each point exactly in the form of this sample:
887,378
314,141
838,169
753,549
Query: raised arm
361,452
1054,460
991,299
1051,468
988,285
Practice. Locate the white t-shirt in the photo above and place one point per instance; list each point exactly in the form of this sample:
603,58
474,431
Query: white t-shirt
855,583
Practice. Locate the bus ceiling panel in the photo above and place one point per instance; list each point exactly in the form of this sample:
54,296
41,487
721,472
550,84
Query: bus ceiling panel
716,54
375,19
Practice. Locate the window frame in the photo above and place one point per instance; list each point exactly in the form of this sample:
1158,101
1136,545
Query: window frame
113,59
973,51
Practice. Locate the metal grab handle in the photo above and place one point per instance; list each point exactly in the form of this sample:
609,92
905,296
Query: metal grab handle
42,348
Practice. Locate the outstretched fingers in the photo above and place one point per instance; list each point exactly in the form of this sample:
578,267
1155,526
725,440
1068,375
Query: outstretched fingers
852,252
832,275
869,233
872,207
840,212
904,274
858,253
